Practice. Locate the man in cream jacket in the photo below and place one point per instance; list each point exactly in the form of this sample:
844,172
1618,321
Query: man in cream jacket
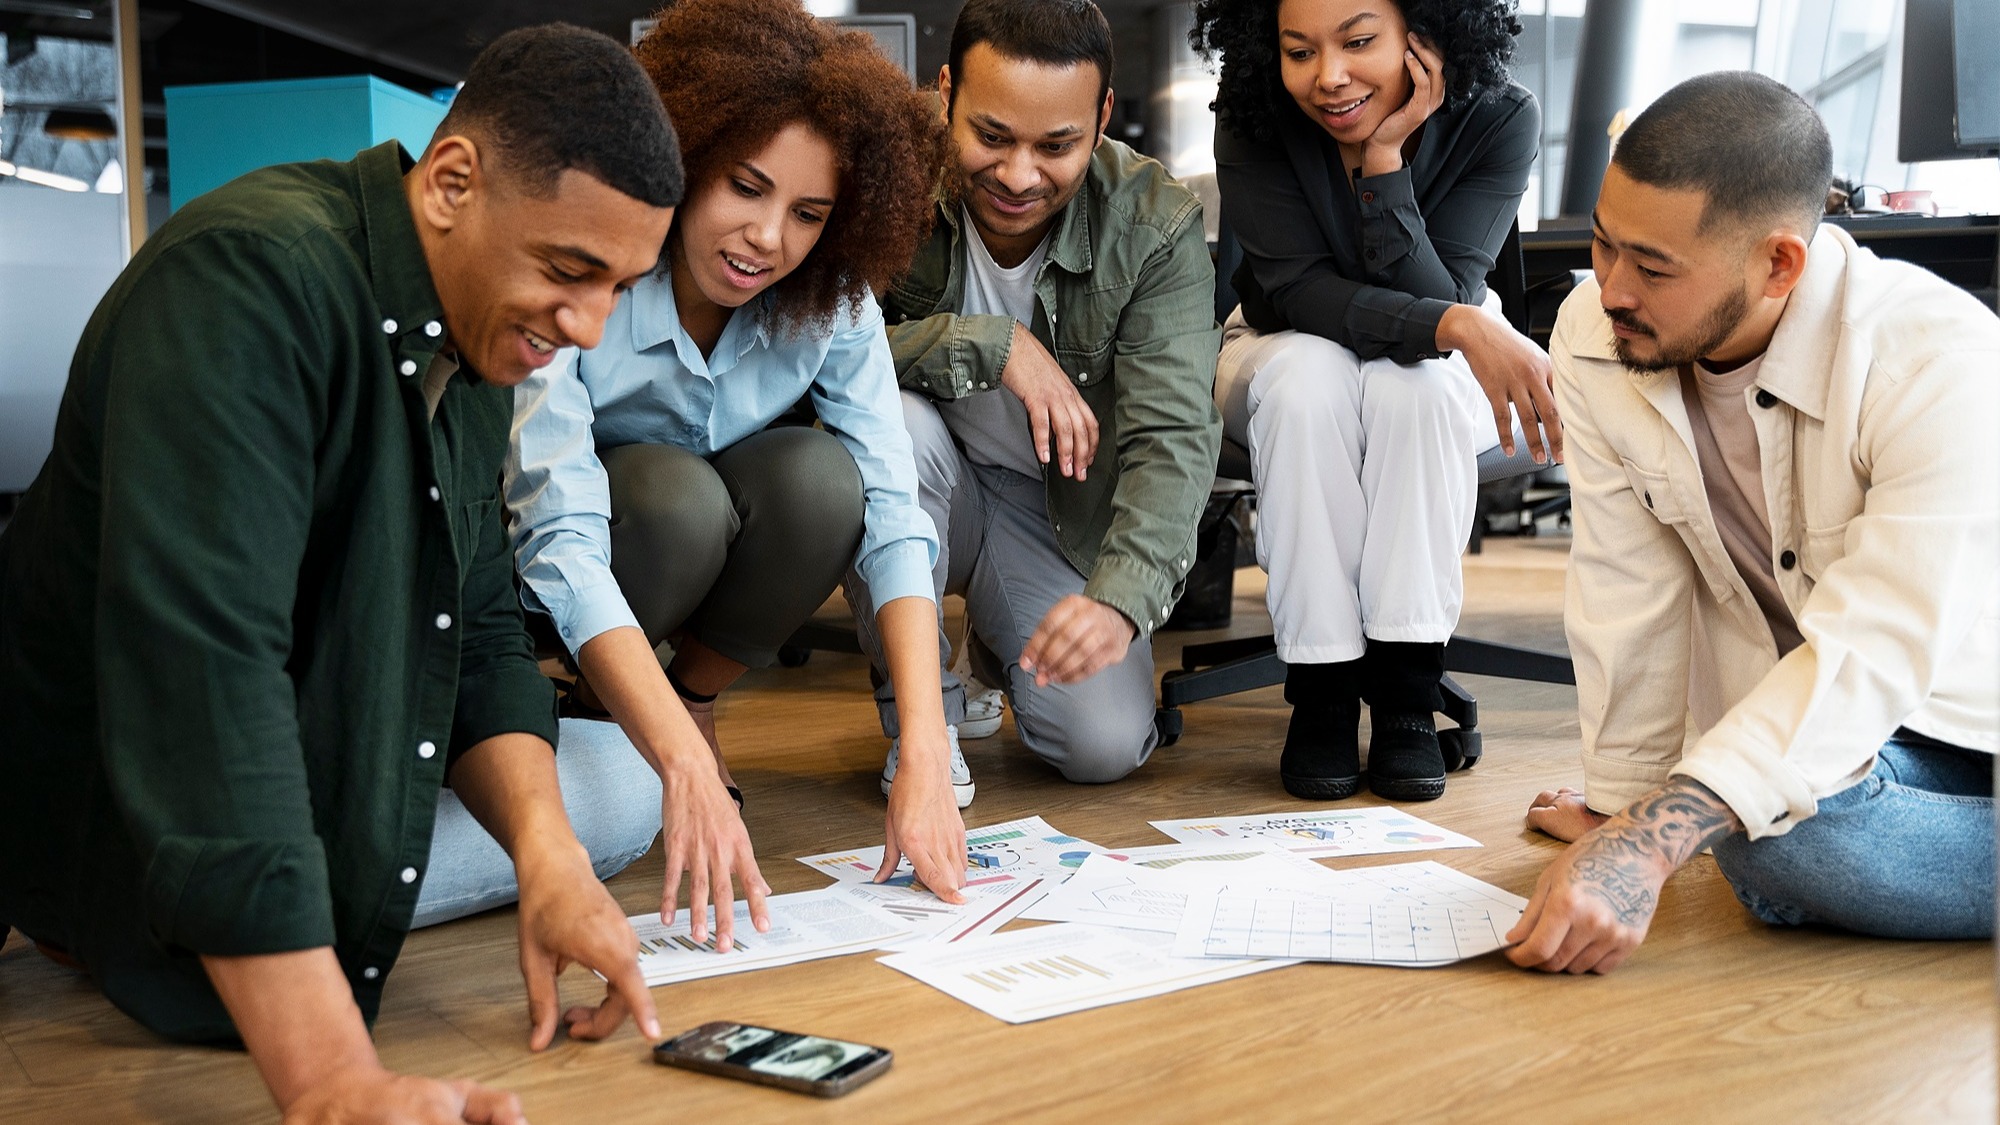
1784,594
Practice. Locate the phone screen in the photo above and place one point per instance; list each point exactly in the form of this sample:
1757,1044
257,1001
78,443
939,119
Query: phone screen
781,1057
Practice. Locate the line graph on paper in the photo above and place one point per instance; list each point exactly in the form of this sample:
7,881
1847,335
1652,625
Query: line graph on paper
1325,930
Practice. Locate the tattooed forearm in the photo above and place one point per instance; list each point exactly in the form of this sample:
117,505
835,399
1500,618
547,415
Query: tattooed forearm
1678,819
1626,859
1624,885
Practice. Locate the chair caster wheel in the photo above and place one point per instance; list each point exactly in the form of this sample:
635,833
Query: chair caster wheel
793,656
1462,748
1167,721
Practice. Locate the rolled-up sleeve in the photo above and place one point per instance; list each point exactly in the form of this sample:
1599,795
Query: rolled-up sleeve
857,400
201,547
559,507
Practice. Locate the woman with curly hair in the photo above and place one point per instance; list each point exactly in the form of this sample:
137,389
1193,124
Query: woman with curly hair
1371,156
651,495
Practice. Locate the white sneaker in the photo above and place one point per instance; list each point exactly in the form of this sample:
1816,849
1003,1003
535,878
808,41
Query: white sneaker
982,711
982,704
961,776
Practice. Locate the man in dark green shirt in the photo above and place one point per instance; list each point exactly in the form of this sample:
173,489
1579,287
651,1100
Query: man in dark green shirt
259,605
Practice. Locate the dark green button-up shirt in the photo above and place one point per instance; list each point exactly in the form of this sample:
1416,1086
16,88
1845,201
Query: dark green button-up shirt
255,602
1125,302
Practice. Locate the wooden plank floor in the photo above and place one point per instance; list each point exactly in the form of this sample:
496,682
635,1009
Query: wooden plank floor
1717,1019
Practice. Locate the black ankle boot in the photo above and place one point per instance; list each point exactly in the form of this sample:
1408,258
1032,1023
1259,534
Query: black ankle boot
1322,758
1400,681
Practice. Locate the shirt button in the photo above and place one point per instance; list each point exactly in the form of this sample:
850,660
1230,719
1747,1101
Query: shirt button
444,621
433,329
1766,399
1367,197
1368,254
435,494
371,972
407,367
389,327
1649,498
427,749
1788,560
409,875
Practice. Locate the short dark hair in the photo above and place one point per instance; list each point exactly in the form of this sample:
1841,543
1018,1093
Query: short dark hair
1052,32
1756,150
1474,37
551,98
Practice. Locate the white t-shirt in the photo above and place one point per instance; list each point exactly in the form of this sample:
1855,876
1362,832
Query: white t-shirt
992,425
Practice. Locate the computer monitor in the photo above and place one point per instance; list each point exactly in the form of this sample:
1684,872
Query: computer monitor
1949,112
1975,33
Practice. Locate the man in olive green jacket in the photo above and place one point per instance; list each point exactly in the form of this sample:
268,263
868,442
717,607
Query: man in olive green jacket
1056,343
259,605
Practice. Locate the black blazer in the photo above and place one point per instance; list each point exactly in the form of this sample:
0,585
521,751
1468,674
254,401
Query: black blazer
1375,268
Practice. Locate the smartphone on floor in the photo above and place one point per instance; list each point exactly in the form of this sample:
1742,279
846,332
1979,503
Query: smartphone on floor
809,1064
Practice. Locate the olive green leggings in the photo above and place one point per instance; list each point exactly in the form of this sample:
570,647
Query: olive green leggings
737,550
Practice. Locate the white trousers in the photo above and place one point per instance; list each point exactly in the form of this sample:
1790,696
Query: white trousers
1366,476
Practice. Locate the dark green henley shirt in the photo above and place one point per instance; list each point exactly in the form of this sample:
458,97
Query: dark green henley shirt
256,601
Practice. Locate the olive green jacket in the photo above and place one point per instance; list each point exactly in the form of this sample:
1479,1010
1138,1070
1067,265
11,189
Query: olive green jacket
1126,300
254,603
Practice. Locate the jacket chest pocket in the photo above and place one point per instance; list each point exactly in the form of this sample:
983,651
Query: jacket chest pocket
475,521
1656,492
1821,548
1086,364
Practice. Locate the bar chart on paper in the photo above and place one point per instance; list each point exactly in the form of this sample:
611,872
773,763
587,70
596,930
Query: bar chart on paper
1010,977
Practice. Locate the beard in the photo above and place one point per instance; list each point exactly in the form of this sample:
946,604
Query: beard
1716,326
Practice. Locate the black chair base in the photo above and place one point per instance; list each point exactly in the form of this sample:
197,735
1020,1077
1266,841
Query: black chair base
1209,671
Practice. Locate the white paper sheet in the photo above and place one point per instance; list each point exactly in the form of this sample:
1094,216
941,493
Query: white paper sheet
1412,915
1030,844
989,905
1373,830
804,927
1151,892
1026,975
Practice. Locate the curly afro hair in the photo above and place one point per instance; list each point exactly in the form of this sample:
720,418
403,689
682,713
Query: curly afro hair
1475,37
733,73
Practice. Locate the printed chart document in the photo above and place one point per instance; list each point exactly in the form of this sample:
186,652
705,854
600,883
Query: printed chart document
1011,849
1374,830
1413,914
990,903
1026,975
1150,891
804,927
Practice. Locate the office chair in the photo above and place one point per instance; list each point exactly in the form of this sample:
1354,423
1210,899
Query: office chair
1209,671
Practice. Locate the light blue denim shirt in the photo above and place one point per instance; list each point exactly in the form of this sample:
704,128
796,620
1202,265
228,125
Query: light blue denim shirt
648,382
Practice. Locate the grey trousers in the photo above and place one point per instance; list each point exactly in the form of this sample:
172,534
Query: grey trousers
737,551
999,552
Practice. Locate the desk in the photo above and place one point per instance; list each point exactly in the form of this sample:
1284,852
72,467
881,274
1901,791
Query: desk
1964,250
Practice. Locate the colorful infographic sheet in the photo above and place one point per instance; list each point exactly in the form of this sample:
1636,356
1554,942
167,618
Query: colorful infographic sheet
1150,891
804,927
1026,975
1412,914
1029,845
1373,830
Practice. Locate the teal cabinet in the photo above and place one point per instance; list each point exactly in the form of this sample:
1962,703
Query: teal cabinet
217,133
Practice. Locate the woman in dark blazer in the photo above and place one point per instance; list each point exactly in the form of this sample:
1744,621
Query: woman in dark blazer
1371,157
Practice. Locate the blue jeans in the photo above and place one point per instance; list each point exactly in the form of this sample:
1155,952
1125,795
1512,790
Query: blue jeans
612,798
1905,853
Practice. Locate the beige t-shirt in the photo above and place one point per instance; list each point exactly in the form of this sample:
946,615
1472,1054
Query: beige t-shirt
1725,443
